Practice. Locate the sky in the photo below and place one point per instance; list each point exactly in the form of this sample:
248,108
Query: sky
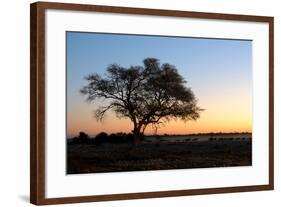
219,72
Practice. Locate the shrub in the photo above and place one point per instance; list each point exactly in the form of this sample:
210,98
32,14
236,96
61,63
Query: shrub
83,138
116,138
100,138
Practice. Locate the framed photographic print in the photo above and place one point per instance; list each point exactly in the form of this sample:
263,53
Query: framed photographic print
130,103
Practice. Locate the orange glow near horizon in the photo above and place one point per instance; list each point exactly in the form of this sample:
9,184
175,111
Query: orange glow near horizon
228,114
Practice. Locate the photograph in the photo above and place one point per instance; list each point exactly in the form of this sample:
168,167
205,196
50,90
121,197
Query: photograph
138,102
173,102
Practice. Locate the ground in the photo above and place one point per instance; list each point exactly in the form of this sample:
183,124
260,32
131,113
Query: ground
89,158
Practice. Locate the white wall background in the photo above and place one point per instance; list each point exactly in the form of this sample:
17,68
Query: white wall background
14,104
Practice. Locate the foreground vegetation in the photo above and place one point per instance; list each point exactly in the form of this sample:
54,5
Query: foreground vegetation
93,156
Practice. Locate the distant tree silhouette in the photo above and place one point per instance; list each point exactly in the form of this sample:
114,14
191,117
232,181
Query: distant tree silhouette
116,138
101,137
82,138
83,135
151,94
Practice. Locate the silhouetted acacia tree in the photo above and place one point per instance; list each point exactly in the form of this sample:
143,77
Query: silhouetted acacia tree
151,94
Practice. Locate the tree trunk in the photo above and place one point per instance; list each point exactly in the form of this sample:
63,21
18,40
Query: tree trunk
136,133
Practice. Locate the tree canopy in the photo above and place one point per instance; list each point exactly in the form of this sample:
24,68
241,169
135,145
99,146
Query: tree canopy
151,94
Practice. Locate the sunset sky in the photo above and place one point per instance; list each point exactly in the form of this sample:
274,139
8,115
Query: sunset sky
218,71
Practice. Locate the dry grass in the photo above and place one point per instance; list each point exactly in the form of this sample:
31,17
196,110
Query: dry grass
85,158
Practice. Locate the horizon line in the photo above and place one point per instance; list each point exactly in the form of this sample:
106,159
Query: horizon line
166,134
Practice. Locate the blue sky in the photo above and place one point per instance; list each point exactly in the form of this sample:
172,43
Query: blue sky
214,68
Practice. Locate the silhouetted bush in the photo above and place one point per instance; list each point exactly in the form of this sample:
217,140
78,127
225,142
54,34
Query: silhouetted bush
103,137
100,138
115,138
120,138
83,135
83,138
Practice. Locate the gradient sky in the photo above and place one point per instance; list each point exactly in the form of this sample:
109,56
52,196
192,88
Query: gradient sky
219,72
